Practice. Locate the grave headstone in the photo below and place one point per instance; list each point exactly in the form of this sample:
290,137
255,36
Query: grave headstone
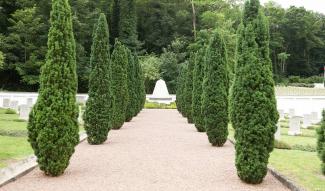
307,122
6,103
81,99
80,119
314,117
14,105
277,134
281,114
294,125
30,102
292,112
24,111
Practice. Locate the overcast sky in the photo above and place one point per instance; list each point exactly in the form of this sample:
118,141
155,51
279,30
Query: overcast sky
314,5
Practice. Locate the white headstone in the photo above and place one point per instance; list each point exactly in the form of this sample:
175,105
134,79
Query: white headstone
30,102
81,99
160,93
6,103
80,119
24,111
314,117
277,134
281,114
294,125
291,112
307,122
14,105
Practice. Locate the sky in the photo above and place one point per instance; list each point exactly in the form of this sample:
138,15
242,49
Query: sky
314,5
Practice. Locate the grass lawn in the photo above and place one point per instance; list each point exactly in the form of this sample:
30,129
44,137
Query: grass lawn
300,166
12,149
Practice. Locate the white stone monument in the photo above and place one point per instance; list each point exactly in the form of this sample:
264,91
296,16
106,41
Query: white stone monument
294,126
160,93
281,114
24,111
6,103
277,134
291,112
81,99
14,105
307,122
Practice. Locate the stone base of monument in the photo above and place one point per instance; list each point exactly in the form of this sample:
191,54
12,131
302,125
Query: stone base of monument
161,100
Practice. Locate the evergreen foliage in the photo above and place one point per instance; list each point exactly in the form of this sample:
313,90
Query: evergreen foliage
53,126
321,142
180,89
189,88
215,91
119,84
253,110
128,24
131,109
97,116
139,86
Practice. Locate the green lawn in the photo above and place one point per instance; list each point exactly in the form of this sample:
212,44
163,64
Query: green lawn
300,166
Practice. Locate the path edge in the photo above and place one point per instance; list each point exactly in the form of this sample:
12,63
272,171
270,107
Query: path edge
280,177
23,167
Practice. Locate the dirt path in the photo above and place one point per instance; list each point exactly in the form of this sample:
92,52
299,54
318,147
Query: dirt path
158,150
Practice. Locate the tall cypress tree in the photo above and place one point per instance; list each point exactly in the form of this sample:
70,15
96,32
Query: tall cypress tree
215,91
189,88
119,84
180,93
253,110
321,142
128,24
53,125
132,105
139,86
97,116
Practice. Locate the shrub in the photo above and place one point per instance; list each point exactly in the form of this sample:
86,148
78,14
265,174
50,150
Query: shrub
131,109
321,142
97,116
215,91
253,104
281,145
10,111
119,84
53,125
189,89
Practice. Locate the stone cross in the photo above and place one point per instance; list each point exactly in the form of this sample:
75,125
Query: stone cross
294,126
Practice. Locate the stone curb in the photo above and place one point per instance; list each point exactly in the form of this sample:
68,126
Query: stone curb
284,180
23,167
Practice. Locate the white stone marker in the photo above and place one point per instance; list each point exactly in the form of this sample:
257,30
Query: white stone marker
281,114
307,122
24,111
6,103
277,134
292,112
30,102
294,126
14,105
80,117
81,99
314,117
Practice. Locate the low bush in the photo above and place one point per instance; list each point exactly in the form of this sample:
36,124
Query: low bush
308,148
154,105
13,133
281,145
10,111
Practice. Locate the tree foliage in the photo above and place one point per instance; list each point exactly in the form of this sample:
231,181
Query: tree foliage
321,143
53,127
97,116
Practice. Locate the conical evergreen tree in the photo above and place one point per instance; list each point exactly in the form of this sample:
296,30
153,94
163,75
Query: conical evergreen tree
132,105
139,86
253,110
215,91
119,84
97,116
321,142
128,24
180,98
189,88
53,125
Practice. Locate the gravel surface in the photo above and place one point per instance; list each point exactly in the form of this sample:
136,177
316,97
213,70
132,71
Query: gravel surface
157,150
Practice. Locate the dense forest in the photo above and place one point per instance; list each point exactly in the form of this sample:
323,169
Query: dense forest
166,32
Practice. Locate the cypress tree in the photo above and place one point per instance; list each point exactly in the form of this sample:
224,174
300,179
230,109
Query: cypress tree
215,91
321,142
119,84
139,86
97,116
181,89
253,110
189,88
131,109
53,125
128,24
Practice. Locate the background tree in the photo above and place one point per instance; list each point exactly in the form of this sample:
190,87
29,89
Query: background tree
215,91
53,126
119,84
321,142
97,116
253,112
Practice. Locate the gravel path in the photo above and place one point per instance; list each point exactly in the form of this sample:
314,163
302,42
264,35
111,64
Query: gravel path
158,150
